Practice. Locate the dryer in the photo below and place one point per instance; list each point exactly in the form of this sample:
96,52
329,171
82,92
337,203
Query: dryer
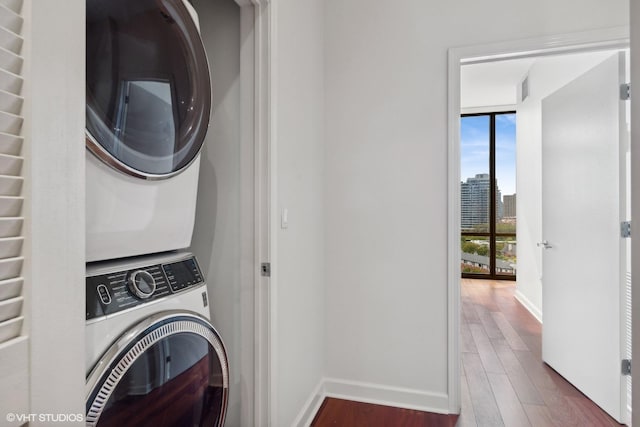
152,356
148,97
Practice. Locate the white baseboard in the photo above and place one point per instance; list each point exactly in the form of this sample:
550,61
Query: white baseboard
386,395
531,308
310,407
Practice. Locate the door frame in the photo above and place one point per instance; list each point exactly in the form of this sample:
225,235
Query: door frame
612,38
257,145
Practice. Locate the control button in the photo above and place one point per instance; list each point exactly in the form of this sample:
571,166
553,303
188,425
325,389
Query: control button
142,284
103,292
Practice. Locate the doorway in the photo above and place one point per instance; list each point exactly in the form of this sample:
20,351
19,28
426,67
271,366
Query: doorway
489,55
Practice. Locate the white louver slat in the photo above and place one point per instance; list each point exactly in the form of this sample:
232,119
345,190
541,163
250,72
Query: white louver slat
13,5
11,165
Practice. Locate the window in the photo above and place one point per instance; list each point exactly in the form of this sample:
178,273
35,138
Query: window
488,212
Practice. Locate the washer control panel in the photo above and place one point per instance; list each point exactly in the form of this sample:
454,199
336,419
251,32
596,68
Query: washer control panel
112,292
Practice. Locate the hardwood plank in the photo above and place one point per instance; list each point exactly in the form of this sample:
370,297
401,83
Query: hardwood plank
484,295
469,312
595,414
487,354
564,386
563,412
508,403
490,327
510,334
485,407
537,373
525,389
467,344
467,415
539,416
534,344
558,395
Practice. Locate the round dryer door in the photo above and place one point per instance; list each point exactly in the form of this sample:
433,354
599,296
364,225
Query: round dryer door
170,370
148,86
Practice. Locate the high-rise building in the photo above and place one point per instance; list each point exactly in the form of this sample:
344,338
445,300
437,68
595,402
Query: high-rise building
510,206
474,201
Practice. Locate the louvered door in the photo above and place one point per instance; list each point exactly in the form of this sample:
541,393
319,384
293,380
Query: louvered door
13,339
11,161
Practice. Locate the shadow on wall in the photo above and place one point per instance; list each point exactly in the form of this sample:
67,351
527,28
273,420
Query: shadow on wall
217,233
206,213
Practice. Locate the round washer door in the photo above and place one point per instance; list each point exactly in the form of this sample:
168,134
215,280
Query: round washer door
148,87
170,370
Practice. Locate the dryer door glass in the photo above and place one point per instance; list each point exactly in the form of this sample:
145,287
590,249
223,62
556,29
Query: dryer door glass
148,87
178,378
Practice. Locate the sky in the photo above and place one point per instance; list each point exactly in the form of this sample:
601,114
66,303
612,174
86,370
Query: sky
474,153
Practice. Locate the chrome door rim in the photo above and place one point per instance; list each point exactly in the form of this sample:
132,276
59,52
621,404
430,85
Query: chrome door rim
110,160
95,148
134,342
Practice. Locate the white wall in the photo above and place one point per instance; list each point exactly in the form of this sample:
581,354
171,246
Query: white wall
386,177
55,94
217,232
299,308
546,75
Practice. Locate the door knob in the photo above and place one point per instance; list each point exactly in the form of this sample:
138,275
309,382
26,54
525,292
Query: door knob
544,244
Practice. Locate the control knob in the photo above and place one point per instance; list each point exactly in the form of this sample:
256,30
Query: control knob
142,284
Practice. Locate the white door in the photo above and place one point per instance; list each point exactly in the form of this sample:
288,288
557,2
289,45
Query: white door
583,144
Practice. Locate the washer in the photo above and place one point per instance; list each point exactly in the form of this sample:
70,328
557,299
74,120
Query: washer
148,108
152,356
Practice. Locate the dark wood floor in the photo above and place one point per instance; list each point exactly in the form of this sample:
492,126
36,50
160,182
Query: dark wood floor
345,413
504,382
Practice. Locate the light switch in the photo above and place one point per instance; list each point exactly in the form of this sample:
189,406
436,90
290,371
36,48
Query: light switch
284,219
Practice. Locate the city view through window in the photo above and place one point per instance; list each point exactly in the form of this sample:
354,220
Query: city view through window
488,213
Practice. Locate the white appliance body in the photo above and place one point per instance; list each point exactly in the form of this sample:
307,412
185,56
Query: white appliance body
142,351
101,333
128,216
148,108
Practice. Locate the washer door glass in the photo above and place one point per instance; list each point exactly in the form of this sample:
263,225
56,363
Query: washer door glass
174,374
148,86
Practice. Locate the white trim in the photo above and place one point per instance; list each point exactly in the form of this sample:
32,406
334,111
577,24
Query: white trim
263,403
531,307
249,230
453,236
604,39
270,63
610,38
378,394
256,104
488,109
311,406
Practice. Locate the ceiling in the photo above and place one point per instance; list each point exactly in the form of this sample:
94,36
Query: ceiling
492,83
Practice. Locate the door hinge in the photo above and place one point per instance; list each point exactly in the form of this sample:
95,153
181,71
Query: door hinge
626,367
625,91
625,229
265,269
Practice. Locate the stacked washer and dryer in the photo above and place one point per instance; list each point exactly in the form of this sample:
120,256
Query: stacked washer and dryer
153,357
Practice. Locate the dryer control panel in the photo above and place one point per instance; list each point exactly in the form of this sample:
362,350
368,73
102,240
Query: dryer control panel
114,291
